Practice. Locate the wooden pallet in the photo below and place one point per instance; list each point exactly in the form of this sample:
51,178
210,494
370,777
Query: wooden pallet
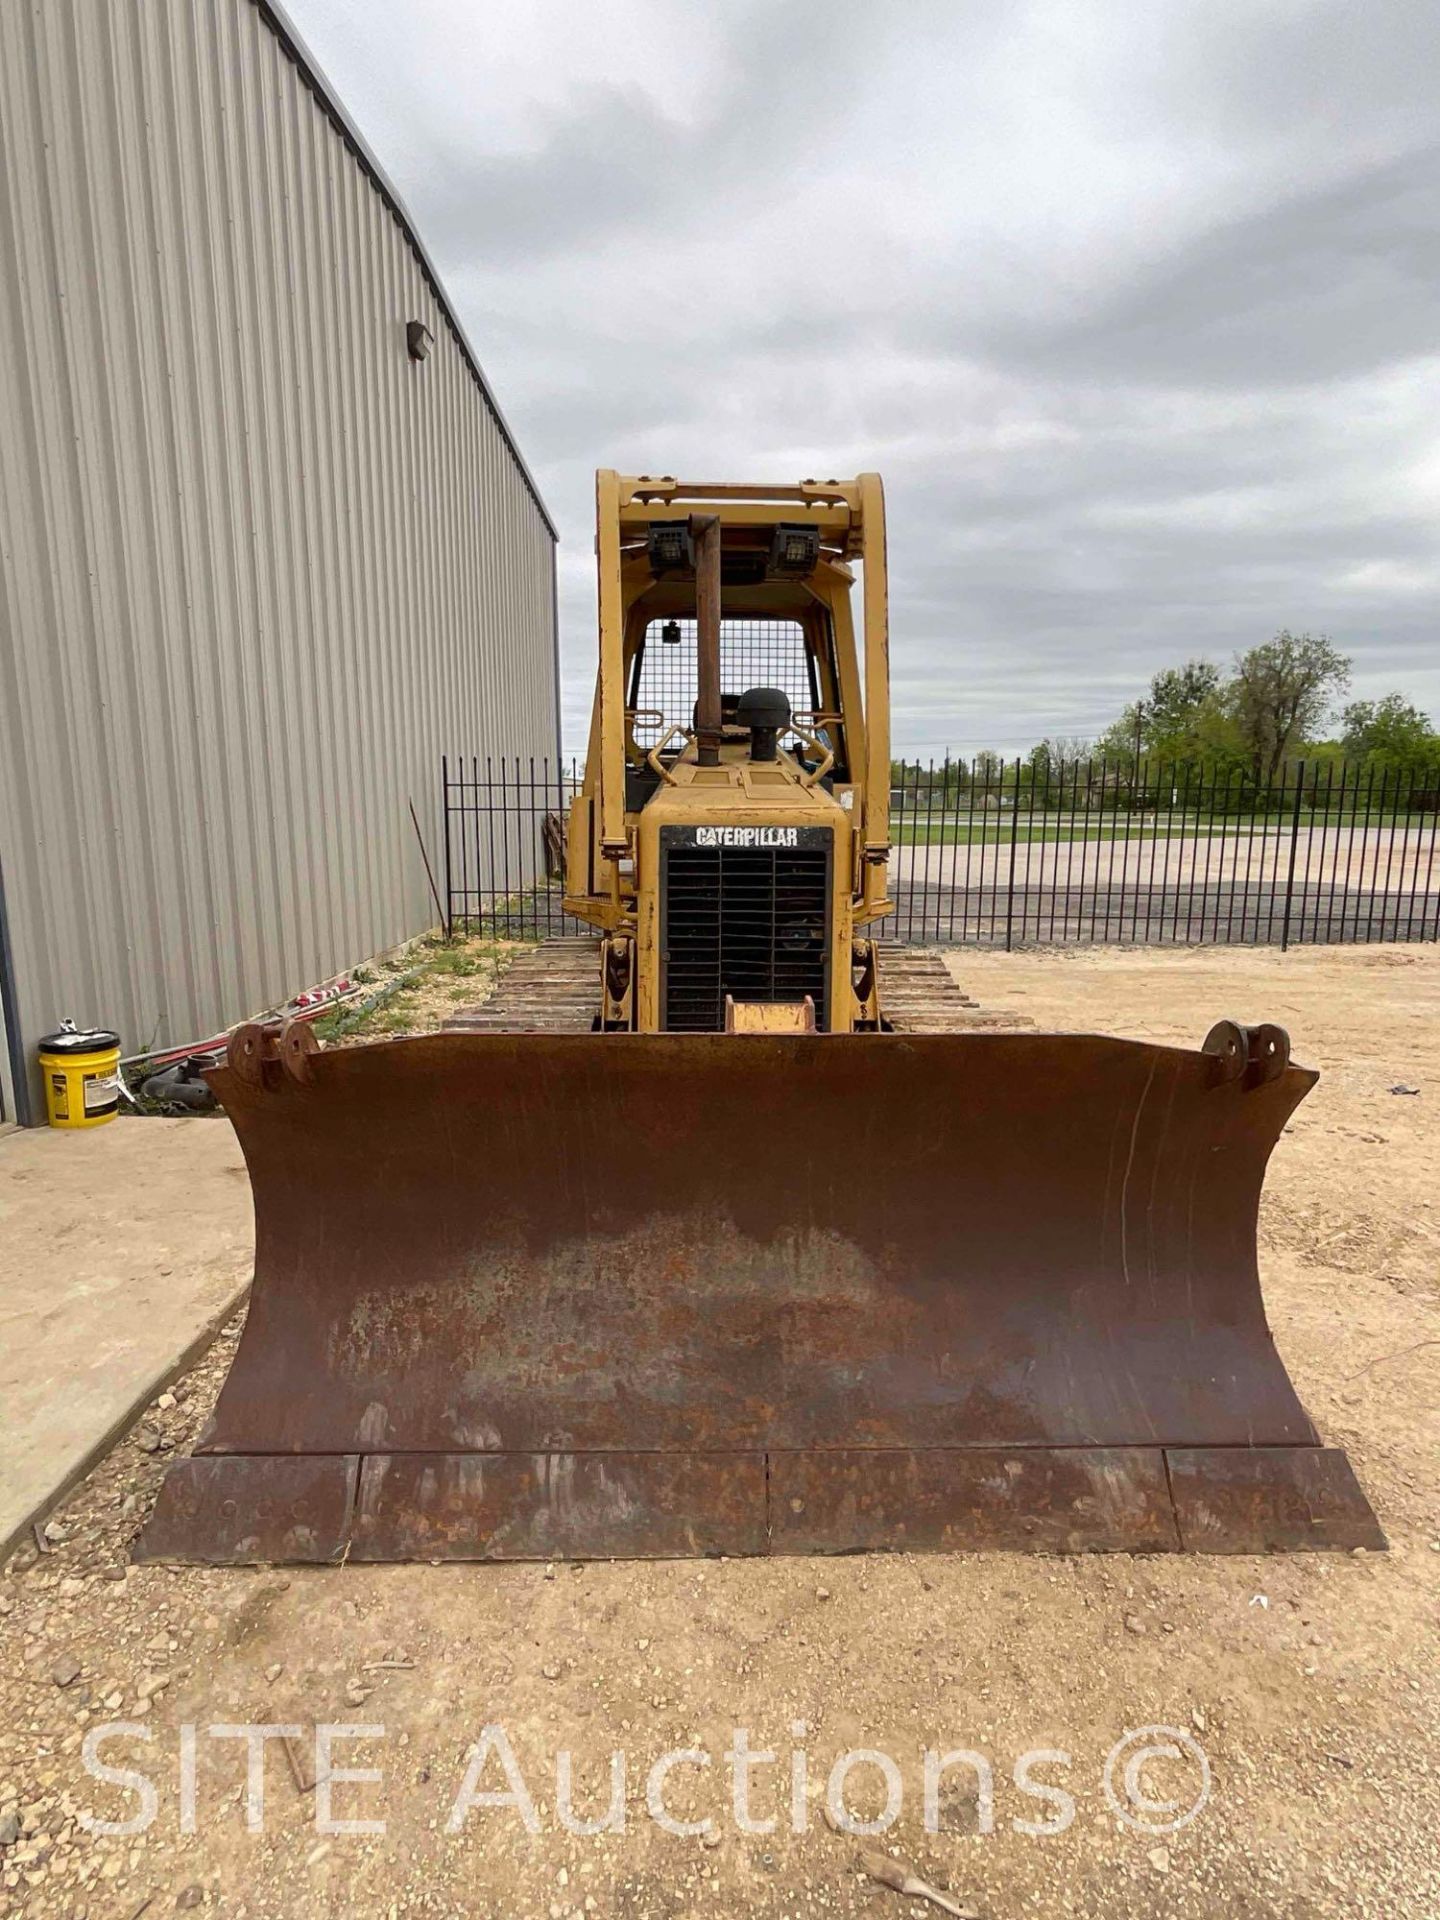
555,988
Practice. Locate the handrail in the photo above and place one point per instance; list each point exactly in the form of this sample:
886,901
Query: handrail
810,776
653,754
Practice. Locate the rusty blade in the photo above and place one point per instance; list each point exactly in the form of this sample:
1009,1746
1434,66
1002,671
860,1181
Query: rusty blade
1270,1500
1028,1500
569,1244
234,1511
636,1506
472,1242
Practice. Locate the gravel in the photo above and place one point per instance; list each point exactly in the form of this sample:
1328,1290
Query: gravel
1315,1712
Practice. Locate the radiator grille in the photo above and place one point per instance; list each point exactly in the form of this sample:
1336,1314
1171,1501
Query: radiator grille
747,921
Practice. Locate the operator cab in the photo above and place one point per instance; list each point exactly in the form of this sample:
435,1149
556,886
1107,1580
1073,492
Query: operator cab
755,721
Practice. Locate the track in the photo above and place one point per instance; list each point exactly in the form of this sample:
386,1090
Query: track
918,995
550,988
554,988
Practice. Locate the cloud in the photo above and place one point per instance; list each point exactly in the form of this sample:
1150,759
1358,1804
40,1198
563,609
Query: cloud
1136,309
1331,282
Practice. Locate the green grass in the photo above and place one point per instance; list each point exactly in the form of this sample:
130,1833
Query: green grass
392,1007
454,960
996,830
378,1012
998,833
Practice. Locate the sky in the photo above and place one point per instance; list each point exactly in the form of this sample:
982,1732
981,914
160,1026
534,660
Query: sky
1136,307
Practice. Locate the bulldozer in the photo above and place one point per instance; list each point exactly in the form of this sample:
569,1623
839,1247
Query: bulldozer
731,1228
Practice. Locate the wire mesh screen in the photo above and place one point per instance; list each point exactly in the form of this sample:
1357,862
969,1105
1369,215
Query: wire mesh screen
753,653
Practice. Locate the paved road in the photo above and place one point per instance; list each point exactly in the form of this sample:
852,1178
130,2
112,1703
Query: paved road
1254,915
1344,883
121,1250
1390,860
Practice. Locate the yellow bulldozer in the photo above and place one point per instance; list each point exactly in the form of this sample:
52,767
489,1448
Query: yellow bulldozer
733,859
735,1229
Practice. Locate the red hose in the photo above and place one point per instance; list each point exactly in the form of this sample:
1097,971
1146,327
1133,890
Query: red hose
296,1010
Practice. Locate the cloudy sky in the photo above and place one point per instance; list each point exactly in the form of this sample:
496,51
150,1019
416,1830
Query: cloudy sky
1134,303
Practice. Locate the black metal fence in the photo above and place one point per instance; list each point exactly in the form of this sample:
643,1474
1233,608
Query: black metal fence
504,846
1010,853
1025,852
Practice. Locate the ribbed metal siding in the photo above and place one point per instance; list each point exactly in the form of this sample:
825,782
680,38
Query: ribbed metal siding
259,568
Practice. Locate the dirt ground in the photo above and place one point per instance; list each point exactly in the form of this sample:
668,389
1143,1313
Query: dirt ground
416,987
1309,1682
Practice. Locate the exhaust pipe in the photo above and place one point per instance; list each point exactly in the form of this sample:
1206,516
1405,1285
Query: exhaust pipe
705,533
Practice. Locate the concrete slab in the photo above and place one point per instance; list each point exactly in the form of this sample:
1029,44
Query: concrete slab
122,1249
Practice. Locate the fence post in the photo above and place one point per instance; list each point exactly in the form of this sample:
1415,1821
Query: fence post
898,817
1014,829
1294,837
445,821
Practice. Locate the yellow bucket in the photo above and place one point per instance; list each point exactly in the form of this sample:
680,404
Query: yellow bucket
82,1076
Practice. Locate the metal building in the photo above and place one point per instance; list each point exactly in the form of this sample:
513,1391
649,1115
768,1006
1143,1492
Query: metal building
269,547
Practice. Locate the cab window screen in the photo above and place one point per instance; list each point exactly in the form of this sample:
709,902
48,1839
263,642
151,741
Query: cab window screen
753,653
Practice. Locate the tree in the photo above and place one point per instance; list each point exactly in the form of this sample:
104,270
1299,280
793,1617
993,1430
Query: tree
1280,692
1178,697
1116,746
1390,735
1176,723
1058,755
1213,743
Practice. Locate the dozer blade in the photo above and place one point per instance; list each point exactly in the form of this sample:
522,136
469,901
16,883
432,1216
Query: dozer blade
531,1296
